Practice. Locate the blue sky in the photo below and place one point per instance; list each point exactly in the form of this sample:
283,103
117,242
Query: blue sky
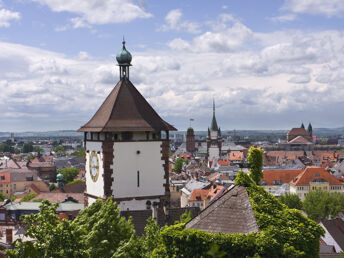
268,64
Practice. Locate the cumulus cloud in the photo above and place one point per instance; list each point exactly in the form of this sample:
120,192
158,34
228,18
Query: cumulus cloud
256,79
326,7
174,22
229,39
98,11
6,16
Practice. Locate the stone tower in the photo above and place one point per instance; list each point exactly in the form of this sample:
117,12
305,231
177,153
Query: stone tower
127,145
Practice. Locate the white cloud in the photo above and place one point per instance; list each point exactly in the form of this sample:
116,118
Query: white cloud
327,7
6,16
256,79
174,22
228,40
284,18
98,11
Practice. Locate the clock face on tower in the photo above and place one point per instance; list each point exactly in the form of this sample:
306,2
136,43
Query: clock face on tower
94,166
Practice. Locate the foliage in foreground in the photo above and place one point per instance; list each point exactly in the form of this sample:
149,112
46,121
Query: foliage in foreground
255,160
283,232
98,231
291,200
319,204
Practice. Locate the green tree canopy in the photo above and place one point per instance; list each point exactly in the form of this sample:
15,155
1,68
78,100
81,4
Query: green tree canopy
27,147
291,200
320,204
255,160
178,165
68,174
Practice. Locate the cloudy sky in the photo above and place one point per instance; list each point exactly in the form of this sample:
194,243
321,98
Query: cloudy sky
269,64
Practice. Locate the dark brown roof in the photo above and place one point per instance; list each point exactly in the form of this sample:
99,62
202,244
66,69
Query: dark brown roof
336,229
125,109
231,213
298,131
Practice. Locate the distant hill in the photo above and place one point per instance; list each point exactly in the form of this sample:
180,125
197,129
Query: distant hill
60,133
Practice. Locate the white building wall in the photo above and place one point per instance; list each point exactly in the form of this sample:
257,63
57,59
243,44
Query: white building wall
94,188
135,204
214,152
148,162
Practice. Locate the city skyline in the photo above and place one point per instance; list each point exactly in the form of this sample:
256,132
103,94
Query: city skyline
268,65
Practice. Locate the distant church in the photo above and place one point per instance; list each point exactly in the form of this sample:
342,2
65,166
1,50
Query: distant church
300,135
127,146
214,139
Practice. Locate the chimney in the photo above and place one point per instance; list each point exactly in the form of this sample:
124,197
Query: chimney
9,235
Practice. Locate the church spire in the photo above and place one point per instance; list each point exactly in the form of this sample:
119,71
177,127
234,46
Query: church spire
302,126
214,126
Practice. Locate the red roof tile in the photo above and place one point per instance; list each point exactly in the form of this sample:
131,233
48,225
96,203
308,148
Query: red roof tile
199,195
280,175
311,173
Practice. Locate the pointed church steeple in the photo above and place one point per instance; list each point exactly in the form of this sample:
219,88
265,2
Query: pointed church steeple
302,126
310,129
214,126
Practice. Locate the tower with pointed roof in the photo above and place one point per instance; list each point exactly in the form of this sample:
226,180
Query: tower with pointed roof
127,145
214,139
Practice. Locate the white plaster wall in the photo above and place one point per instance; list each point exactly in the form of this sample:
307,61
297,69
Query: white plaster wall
127,162
214,152
213,134
94,188
135,204
140,136
184,200
91,200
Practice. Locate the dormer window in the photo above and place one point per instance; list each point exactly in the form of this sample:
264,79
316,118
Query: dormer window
317,174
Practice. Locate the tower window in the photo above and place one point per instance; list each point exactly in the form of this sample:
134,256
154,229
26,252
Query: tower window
127,136
115,136
138,178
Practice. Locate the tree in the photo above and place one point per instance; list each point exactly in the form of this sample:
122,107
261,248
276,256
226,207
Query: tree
52,237
320,204
80,153
52,187
98,231
27,147
29,197
255,160
68,174
2,197
103,230
291,200
178,165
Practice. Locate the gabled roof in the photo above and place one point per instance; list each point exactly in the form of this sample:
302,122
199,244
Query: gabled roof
283,176
125,109
311,173
231,213
298,131
300,140
335,227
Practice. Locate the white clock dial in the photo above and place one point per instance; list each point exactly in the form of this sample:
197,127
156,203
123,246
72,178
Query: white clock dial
94,166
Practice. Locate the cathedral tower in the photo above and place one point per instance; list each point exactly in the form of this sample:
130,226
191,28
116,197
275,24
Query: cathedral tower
214,139
127,145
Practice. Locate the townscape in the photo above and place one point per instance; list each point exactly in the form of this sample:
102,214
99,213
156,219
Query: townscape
128,154
141,128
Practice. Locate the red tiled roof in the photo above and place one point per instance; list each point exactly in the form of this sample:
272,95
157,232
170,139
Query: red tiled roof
223,162
236,155
286,176
298,131
311,173
199,195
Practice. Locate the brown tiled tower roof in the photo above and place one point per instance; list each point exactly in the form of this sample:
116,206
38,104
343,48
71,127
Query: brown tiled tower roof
125,109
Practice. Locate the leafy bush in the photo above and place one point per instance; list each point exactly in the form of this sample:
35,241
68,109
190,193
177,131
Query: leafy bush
28,197
68,174
282,232
291,200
